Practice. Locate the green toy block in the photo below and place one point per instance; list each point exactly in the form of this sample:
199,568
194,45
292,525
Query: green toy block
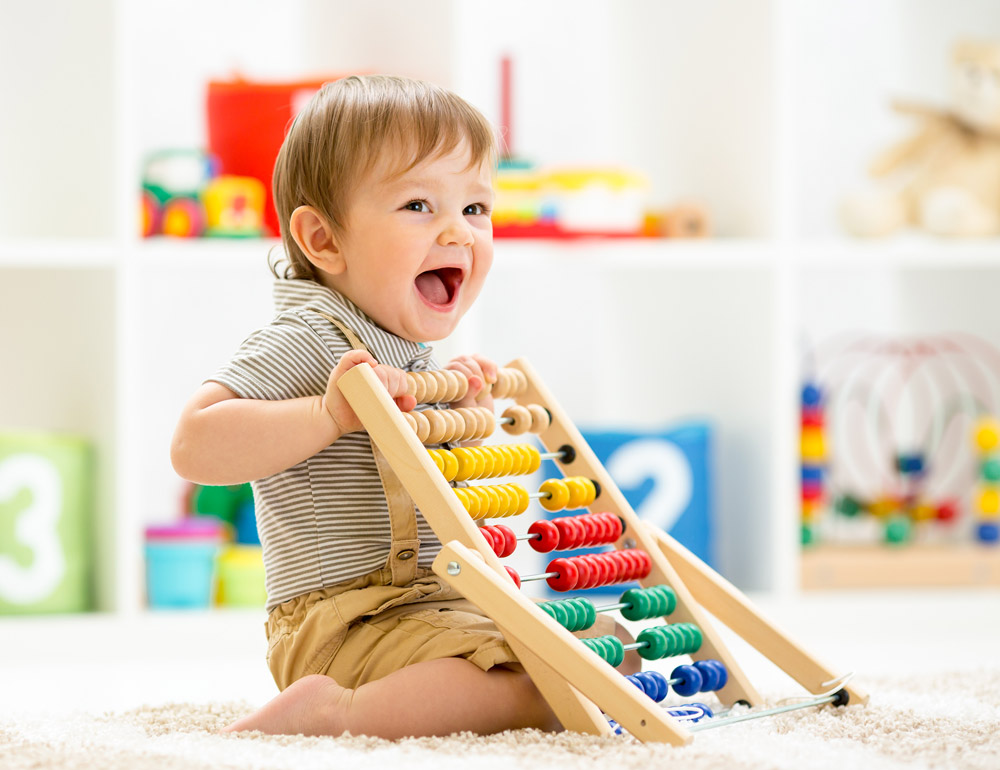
46,517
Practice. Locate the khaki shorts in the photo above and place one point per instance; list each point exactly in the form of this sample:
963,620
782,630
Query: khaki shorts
363,630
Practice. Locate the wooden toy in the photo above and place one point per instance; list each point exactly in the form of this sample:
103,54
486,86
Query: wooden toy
900,475
577,677
945,178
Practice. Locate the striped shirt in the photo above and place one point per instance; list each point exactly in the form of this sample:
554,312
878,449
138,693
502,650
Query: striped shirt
324,520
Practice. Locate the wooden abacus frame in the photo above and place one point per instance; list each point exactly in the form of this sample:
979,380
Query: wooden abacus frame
576,682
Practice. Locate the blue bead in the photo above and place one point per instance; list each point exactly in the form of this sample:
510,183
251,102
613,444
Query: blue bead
910,463
811,395
988,533
637,682
655,684
812,473
690,680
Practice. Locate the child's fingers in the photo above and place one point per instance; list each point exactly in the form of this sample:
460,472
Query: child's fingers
396,384
352,358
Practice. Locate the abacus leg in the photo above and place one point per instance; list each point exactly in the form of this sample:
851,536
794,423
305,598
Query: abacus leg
436,697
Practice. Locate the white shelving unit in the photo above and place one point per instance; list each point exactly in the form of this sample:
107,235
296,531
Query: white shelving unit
765,111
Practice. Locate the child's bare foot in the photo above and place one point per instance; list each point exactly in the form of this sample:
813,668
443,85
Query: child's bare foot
313,705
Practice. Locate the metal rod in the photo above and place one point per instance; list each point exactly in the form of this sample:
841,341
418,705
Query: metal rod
709,724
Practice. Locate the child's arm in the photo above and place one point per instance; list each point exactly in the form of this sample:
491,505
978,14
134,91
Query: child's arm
223,439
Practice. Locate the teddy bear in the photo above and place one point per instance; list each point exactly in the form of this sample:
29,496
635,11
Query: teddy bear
945,178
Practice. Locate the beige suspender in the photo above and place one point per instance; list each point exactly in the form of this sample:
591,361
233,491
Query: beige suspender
405,546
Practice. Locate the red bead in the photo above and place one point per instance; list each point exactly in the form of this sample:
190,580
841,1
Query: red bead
647,564
547,536
591,530
812,417
568,534
509,540
567,575
947,511
514,576
487,533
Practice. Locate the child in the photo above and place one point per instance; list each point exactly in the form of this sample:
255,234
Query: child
383,187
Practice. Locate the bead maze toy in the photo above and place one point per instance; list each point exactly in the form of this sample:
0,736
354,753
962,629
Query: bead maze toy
576,676
900,470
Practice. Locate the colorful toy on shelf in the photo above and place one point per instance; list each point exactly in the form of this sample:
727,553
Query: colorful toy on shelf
458,488
172,181
234,207
887,460
183,196
180,562
569,202
945,179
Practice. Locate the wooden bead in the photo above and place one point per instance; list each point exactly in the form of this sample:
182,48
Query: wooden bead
432,395
453,379
501,388
520,383
421,425
462,386
489,419
410,420
540,419
419,386
439,426
521,420
411,384
459,423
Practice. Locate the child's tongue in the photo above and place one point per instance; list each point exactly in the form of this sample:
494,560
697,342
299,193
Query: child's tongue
432,287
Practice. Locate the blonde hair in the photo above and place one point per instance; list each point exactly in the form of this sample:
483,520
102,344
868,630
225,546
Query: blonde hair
342,132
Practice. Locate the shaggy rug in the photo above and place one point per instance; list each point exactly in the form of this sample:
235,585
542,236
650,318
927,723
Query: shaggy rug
942,721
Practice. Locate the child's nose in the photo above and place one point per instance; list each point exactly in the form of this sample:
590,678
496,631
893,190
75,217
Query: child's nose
456,232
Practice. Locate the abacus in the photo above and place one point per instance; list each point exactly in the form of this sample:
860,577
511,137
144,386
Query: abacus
576,676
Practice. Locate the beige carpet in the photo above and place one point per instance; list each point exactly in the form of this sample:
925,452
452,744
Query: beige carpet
946,721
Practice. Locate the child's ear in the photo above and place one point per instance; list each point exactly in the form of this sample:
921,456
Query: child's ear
315,237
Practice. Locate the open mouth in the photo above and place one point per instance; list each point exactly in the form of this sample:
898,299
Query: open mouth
439,288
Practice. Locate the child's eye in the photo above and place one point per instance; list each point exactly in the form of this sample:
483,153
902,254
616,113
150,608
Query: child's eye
420,206
475,209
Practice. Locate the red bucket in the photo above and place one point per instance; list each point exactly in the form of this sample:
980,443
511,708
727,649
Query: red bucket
247,124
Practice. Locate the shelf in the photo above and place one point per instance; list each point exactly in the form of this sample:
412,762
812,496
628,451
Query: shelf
911,251
59,254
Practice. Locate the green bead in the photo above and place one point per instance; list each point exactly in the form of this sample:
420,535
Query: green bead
560,614
572,616
897,529
669,599
655,644
991,469
848,506
589,613
639,604
617,650
549,609
808,534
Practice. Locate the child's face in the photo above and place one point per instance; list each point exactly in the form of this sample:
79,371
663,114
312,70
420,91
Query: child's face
418,246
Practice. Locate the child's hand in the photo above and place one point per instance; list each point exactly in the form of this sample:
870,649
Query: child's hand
336,405
481,373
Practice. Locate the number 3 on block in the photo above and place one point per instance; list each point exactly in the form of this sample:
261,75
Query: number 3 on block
35,527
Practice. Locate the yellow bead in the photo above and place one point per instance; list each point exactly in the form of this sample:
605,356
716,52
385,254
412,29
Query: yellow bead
558,494
436,457
813,446
577,492
923,512
450,465
987,434
883,506
508,502
522,498
988,502
534,458
504,460
463,497
466,463
489,502
487,458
